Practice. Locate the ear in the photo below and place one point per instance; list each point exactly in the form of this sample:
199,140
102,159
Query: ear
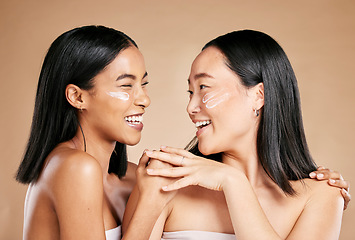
259,96
74,96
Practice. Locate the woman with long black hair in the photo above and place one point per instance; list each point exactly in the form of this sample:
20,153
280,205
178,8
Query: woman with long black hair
246,175
90,102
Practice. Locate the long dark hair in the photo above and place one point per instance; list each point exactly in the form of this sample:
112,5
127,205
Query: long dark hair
75,57
281,144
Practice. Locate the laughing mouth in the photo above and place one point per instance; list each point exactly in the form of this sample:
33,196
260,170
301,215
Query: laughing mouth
136,119
201,124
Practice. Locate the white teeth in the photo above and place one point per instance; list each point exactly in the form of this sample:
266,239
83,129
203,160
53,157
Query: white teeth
202,123
134,119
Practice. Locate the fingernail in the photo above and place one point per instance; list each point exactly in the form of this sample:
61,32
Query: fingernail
320,175
162,147
332,181
165,188
148,152
149,170
312,174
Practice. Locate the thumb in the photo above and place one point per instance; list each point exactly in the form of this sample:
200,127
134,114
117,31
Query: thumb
143,161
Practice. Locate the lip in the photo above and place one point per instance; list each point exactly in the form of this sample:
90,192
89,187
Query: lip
201,130
138,127
135,114
200,120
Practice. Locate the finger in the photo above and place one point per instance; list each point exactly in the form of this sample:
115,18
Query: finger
181,183
169,172
321,168
319,175
177,151
155,163
347,197
328,172
339,184
173,159
325,174
331,174
143,161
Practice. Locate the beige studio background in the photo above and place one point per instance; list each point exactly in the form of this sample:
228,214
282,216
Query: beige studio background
318,36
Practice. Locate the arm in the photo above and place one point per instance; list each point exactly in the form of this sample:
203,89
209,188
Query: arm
241,198
146,204
310,224
321,216
143,215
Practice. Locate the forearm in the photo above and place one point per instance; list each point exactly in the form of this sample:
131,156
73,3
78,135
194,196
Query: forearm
248,218
143,220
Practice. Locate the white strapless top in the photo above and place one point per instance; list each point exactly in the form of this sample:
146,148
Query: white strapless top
197,235
113,234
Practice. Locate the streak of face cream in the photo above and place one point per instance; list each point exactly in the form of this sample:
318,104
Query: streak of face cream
215,98
119,95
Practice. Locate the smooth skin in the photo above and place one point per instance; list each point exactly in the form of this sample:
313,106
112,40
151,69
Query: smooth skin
75,197
239,195
266,212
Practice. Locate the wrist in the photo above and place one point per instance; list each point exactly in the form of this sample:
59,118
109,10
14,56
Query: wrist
233,179
151,202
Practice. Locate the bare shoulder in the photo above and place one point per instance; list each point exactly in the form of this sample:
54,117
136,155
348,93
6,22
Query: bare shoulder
320,188
319,194
69,161
71,168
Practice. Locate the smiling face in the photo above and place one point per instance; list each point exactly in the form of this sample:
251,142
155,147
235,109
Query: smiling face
220,106
115,105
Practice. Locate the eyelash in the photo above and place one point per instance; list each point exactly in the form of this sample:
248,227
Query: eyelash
202,86
130,85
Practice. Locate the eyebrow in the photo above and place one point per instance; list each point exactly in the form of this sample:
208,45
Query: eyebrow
133,77
201,75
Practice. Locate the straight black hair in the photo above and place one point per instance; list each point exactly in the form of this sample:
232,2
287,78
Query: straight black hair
281,144
75,57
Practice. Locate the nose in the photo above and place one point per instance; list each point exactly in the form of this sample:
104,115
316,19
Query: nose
194,105
141,98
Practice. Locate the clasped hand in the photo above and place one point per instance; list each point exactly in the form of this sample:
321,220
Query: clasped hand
190,169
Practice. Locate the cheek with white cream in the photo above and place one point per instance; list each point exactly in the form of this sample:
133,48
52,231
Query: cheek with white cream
215,98
212,100
134,119
119,95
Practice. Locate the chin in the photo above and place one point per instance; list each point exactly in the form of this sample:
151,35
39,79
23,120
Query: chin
131,141
206,150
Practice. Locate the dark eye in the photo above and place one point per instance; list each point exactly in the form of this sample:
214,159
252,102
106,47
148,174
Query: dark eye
190,92
145,84
202,86
126,85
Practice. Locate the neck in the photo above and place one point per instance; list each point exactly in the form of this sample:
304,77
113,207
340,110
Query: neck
244,157
93,145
